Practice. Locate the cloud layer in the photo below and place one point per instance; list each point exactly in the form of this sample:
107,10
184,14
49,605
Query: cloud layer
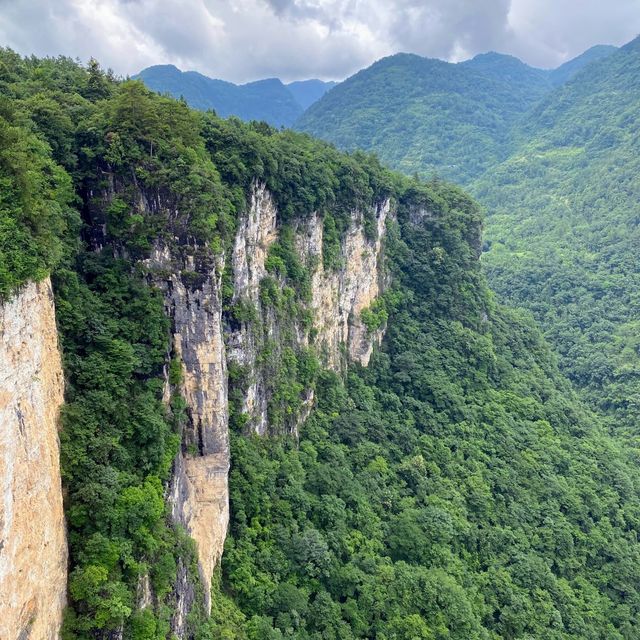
243,40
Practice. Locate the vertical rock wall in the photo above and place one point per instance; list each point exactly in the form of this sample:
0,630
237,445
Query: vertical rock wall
198,493
338,296
33,551
256,233
203,344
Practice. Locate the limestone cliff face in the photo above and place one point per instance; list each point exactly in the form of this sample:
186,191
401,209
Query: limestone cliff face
338,296
256,233
205,339
33,551
198,492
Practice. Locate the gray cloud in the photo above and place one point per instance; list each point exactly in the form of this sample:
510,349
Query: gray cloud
242,40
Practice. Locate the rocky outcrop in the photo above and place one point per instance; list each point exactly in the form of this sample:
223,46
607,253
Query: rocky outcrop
257,231
204,340
198,492
339,296
33,551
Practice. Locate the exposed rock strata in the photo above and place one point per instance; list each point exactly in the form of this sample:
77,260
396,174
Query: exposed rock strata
198,493
203,344
340,296
33,551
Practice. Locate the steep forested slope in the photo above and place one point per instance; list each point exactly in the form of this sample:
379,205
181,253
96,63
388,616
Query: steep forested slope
425,115
562,209
567,70
454,489
429,116
563,231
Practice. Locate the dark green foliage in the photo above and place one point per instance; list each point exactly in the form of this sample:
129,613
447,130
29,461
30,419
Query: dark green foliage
142,168
454,489
267,100
562,237
375,317
117,441
304,175
35,197
431,117
426,115
557,172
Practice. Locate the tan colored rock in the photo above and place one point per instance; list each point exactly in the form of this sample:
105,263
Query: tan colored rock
198,492
256,233
340,296
33,550
200,501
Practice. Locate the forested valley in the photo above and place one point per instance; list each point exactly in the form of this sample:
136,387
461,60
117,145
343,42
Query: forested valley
477,479
551,156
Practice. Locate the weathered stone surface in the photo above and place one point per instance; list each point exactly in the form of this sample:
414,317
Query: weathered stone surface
340,296
198,492
256,233
33,551
184,599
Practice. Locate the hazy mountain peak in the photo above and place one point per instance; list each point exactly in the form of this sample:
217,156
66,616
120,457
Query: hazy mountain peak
267,99
306,92
567,70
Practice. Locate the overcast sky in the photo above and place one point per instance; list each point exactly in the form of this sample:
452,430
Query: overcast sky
243,40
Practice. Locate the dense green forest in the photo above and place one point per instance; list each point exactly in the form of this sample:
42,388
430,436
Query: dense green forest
429,117
455,489
561,233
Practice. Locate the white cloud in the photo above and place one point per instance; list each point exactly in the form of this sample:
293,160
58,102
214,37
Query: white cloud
243,40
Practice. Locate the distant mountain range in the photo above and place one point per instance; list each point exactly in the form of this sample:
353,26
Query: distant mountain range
269,100
504,81
553,157
430,116
551,154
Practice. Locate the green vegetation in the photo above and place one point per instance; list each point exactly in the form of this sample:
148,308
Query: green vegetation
117,442
562,237
266,100
376,316
421,115
432,117
456,489
556,170
35,194
94,171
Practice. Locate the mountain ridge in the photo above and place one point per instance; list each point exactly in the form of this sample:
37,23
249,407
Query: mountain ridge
474,103
267,99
